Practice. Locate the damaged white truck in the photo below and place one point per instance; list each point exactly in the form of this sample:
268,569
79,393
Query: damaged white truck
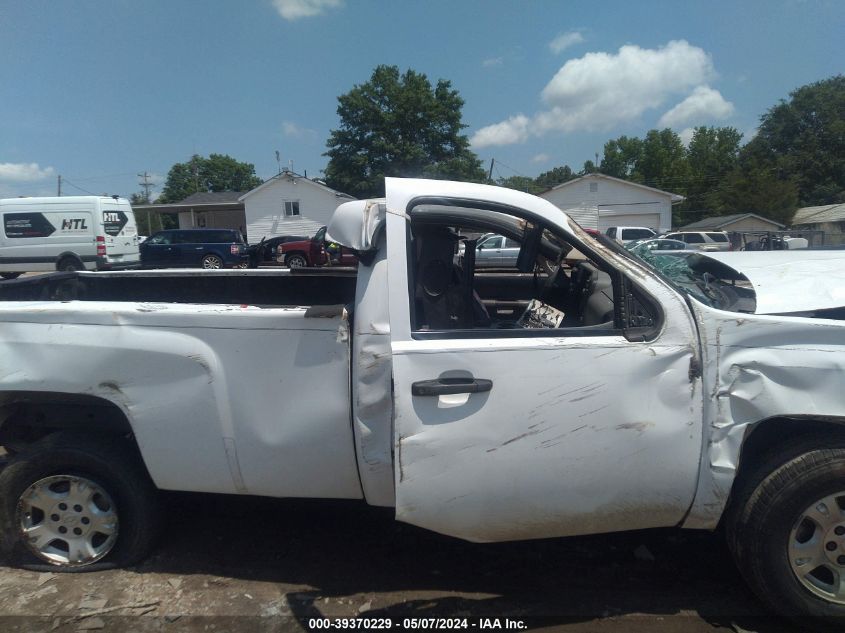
583,391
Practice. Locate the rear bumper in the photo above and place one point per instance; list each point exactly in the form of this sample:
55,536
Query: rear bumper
103,264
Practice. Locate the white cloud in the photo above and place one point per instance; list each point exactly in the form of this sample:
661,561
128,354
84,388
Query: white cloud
295,9
686,135
515,130
540,158
565,40
289,128
493,61
23,172
704,104
600,90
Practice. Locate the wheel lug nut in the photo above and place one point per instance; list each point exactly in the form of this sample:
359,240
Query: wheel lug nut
839,530
830,546
62,506
86,520
54,517
840,560
77,508
62,529
78,532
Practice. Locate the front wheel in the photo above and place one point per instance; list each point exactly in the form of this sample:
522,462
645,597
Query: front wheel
212,262
296,261
74,503
787,531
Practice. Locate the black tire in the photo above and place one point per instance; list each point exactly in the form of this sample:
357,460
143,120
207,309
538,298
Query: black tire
109,462
69,265
767,504
211,261
295,260
10,275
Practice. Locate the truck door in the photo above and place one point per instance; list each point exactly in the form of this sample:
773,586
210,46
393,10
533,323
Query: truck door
504,433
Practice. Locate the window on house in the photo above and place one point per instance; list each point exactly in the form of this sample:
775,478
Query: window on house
594,187
291,208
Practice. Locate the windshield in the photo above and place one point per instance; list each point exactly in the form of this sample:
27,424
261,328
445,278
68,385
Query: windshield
686,271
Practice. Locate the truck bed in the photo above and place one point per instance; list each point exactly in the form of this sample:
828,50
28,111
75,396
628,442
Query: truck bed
240,287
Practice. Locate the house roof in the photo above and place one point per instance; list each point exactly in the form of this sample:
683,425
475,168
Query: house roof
294,177
675,198
719,221
206,197
819,215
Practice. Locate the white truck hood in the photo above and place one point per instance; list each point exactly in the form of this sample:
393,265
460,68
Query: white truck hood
790,281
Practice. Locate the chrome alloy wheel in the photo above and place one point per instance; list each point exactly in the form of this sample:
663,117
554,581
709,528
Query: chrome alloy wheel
817,548
67,520
212,262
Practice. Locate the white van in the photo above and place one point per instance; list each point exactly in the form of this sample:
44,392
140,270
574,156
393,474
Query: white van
67,233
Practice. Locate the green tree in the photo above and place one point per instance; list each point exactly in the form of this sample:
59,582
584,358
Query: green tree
589,168
712,154
803,140
754,187
520,183
622,157
398,125
664,161
218,172
554,177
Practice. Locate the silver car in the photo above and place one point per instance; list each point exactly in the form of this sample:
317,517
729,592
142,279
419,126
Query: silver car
496,251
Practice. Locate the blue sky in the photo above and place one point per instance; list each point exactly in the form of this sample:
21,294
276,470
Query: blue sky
98,91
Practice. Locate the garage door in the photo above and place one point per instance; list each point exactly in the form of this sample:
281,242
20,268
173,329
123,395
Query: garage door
651,220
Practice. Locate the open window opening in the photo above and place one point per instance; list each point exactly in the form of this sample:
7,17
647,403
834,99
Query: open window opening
482,272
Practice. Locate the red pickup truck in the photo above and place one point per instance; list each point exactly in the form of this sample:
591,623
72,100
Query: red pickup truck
315,252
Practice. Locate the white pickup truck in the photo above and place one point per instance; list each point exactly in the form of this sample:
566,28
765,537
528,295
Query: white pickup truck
609,394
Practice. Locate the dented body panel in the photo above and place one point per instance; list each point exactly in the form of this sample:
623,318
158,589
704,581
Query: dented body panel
208,390
757,368
577,435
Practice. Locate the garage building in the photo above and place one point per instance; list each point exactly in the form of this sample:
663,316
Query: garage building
597,201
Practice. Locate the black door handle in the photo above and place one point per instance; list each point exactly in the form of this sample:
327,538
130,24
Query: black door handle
446,386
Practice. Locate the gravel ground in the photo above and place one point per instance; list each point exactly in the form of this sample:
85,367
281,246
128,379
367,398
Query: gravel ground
233,564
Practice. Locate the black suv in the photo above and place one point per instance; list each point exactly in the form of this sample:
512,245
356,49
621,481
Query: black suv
189,248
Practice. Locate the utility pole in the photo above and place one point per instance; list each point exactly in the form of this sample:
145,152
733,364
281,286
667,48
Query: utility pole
147,185
60,186
490,173
279,161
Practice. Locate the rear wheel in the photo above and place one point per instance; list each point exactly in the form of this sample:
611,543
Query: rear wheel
212,261
71,503
786,529
296,261
69,265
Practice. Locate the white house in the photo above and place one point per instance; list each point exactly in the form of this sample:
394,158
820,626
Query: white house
289,204
597,201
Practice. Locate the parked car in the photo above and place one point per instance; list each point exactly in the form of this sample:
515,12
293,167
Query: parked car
493,251
66,233
487,407
702,240
191,248
267,249
316,251
624,234
656,244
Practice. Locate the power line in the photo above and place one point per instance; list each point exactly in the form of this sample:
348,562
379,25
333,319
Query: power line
103,177
68,182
